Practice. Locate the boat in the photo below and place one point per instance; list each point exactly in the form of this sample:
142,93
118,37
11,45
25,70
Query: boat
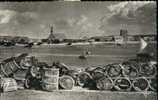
83,55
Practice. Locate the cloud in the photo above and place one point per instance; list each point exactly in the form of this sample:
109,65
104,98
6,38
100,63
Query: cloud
76,19
69,18
138,16
20,6
29,14
6,16
26,18
18,23
9,16
77,27
124,9
82,20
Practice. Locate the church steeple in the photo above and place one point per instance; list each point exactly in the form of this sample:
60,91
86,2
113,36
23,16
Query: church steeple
51,36
51,30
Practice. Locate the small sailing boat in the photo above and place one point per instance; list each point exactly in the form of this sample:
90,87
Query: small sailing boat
143,44
84,55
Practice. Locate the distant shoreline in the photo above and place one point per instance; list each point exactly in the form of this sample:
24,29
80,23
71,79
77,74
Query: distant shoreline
93,43
78,44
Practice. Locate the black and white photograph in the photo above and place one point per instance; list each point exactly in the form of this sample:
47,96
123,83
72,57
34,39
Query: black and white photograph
78,50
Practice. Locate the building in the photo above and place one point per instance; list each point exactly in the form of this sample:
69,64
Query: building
146,37
51,37
6,38
131,38
103,38
21,39
55,37
118,39
124,34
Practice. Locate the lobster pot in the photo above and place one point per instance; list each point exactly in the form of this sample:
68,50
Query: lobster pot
66,82
63,69
5,71
105,83
89,69
97,75
83,78
153,84
18,58
50,79
129,69
122,84
73,74
20,76
14,65
140,84
99,69
28,61
114,70
8,84
148,70
8,68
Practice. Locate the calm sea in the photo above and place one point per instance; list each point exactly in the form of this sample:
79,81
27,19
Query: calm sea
100,53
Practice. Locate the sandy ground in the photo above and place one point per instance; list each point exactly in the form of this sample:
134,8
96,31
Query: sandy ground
76,95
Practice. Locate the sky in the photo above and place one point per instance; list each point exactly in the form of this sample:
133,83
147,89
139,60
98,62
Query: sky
77,19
